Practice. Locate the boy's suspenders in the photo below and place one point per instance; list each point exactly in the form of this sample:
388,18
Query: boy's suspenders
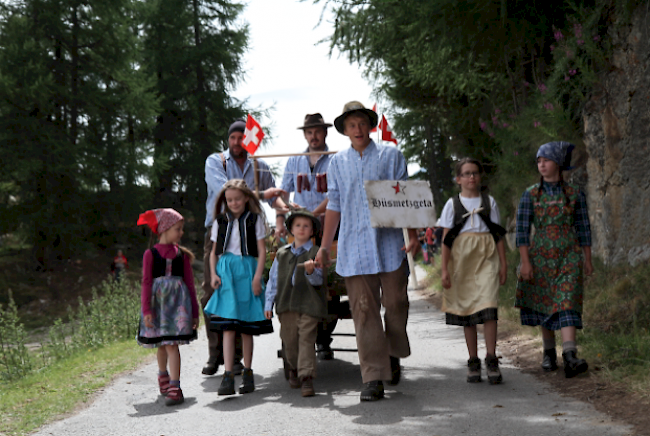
460,218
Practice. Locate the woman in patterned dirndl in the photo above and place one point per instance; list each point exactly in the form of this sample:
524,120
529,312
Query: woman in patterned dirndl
473,266
550,285
236,267
170,311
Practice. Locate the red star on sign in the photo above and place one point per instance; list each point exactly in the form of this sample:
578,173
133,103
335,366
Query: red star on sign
396,188
252,135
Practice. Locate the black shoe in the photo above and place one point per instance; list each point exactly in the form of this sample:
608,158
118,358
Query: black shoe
247,382
373,391
395,371
210,368
324,352
572,365
474,370
237,367
550,360
227,384
492,368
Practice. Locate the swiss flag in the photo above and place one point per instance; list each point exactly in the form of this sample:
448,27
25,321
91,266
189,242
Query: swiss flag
386,134
374,108
252,135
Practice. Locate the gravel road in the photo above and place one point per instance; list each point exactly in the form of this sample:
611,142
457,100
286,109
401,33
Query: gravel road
432,399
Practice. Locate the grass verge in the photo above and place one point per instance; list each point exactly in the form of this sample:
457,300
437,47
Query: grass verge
28,403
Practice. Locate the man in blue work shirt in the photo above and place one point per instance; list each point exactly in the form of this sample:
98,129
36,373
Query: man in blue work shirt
372,260
233,163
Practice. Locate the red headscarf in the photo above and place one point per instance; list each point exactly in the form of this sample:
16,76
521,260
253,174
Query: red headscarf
160,220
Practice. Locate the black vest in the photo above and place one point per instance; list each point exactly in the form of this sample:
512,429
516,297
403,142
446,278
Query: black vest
246,232
496,230
160,264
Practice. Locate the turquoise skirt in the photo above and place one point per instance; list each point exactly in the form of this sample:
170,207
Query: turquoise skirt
233,306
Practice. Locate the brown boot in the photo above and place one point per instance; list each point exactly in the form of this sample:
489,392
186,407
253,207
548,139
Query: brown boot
307,387
294,381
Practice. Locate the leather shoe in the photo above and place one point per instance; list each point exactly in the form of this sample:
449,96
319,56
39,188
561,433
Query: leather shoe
549,363
294,381
237,367
572,365
395,371
324,352
372,391
210,368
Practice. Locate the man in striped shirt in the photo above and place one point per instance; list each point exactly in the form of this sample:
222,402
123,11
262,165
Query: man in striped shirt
372,260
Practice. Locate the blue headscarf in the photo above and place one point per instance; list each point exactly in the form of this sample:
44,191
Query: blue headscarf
559,152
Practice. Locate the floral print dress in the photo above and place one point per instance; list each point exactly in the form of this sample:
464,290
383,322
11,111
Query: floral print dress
171,305
555,252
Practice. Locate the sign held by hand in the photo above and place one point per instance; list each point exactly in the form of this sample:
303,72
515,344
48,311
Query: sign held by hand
400,204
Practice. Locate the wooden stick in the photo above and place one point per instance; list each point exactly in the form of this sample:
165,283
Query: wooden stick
313,153
257,178
302,265
409,258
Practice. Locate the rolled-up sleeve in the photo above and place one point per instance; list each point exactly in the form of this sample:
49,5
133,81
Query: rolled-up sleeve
333,193
288,177
215,178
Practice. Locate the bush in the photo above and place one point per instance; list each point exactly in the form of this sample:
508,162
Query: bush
112,315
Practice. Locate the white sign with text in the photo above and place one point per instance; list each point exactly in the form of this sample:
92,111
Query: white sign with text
400,204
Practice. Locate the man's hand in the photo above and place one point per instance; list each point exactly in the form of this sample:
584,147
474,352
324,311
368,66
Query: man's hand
268,314
322,258
273,192
412,247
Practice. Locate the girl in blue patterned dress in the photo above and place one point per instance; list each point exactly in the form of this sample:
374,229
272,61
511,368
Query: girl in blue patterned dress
170,310
236,266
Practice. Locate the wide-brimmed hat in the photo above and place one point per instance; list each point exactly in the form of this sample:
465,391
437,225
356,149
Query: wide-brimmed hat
305,214
314,120
355,106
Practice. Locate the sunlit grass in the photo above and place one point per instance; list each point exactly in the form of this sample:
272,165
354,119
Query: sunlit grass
30,402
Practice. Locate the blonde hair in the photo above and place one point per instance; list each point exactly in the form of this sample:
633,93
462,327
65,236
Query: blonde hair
252,204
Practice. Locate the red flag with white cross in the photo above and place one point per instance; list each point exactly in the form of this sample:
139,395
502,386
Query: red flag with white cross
252,135
386,134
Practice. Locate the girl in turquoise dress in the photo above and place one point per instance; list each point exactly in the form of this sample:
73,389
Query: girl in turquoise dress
236,268
550,285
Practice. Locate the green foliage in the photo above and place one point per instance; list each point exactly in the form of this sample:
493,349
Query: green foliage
15,360
103,99
112,315
491,80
